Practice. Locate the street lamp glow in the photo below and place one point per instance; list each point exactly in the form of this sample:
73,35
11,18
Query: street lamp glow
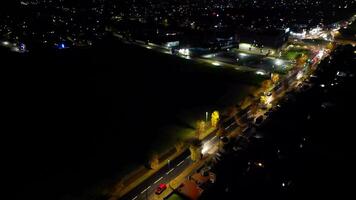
206,148
299,75
320,54
216,63
269,99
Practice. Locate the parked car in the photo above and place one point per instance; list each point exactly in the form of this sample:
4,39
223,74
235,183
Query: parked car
161,188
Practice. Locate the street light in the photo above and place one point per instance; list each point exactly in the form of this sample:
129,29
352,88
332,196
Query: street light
206,116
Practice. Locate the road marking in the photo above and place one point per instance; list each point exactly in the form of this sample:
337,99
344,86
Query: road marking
213,138
230,125
180,163
158,180
134,198
145,189
210,140
170,171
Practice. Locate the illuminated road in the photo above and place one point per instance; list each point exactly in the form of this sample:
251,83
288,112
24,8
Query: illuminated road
182,162
175,167
166,173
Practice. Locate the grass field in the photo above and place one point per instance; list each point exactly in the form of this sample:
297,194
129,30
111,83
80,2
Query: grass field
105,110
293,53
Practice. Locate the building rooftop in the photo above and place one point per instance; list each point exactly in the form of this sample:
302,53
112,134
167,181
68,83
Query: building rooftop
190,190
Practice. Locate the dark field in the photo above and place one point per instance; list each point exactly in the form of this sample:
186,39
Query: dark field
79,118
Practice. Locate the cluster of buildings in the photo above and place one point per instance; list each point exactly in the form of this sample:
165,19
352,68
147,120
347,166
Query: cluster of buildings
194,186
209,26
52,23
66,23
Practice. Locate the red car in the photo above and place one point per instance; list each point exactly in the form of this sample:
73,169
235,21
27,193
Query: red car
161,188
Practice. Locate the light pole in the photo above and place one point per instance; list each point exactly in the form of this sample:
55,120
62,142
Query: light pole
206,116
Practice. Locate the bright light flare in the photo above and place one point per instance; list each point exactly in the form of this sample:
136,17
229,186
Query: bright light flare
206,147
184,52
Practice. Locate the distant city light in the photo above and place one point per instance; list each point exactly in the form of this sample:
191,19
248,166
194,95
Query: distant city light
209,56
22,47
184,52
61,46
260,72
278,62
315,31
244,46
5,43
15,49
243,55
